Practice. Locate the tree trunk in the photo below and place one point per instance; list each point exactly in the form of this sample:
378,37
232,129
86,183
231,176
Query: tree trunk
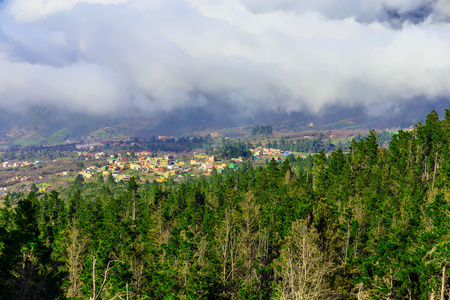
443,283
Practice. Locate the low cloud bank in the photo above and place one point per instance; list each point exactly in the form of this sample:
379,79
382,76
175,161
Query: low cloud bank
110,56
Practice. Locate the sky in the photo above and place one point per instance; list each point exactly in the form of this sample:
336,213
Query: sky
106,56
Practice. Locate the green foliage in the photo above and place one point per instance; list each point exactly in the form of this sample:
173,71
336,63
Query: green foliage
262,130
78,181
232,149
368,224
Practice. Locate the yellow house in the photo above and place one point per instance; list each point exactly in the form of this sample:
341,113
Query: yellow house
15,178
88,175
154,160
135,166
169,174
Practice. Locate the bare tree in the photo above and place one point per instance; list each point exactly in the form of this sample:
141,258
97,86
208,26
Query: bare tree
76,245
301,266
109,267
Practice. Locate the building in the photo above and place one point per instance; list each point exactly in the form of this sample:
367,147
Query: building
135,166
123,177
207,166
90,145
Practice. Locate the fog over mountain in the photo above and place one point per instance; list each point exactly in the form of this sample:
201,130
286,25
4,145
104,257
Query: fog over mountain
251,57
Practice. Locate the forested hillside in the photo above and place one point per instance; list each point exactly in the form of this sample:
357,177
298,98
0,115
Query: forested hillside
372,223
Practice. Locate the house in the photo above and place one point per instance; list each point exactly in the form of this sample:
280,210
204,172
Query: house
90,145
165,138
99,154
124,177
259,152
164,162
161,179
220,167
170,174
143,153
25,178
135,166
207,166
212,158
15,178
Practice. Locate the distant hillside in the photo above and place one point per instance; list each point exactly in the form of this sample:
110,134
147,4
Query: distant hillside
47,126
44,125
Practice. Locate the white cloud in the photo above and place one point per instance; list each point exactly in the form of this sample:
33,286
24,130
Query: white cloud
33,10
102,56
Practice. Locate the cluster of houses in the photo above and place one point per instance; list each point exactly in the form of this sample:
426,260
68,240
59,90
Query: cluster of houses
19,164
88,155
163,167
160,168
20,178
90,145
165,138
277,154
208,163
24,188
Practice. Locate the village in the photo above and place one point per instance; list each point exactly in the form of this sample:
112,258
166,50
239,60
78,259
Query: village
145,165
149,166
